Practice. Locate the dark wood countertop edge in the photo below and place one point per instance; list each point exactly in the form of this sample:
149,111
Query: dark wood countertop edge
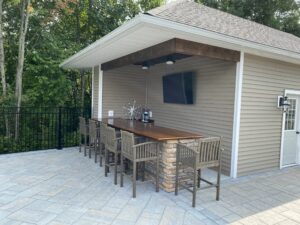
188,137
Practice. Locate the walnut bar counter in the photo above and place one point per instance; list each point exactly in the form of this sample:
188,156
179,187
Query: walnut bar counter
168,139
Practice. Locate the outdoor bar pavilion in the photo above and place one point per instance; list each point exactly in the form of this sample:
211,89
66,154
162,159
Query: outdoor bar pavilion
130,62
126,78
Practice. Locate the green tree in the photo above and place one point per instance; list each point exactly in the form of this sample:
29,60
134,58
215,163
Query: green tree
279,14
146,5
56,30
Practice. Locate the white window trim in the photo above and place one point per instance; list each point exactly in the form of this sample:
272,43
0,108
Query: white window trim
286,92
237,114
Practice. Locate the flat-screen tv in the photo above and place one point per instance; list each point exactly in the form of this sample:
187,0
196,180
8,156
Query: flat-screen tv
178,88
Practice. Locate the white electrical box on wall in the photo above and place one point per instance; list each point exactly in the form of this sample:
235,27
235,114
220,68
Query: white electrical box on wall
110,113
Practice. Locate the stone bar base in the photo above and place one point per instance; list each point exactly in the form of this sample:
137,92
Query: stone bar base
168,165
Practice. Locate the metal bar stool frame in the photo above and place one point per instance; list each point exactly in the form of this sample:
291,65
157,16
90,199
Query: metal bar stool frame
94,138
102,142
205,153
83,134
143,152
112,145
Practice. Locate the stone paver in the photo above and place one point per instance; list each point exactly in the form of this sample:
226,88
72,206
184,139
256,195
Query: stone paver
64,187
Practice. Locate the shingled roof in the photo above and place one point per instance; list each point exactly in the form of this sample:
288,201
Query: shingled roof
197,15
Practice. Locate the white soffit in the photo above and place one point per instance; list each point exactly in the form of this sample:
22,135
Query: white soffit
144,31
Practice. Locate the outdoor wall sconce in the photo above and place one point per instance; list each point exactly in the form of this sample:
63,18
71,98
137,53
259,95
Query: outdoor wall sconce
283,103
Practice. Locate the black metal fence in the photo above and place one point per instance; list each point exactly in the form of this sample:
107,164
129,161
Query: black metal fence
39,128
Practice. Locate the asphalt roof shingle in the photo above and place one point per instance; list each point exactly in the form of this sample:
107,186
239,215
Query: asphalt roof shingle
197,15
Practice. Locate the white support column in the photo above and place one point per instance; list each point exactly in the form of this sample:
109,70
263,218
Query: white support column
237,115
93,97
100,93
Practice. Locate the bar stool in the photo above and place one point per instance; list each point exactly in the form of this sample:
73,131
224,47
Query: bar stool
83,133
94,138
102,141
204,153
112,146
143,152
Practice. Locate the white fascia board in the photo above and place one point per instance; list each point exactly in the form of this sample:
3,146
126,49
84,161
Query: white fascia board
106,40
236,43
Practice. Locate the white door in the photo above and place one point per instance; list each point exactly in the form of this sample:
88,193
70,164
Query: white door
290,155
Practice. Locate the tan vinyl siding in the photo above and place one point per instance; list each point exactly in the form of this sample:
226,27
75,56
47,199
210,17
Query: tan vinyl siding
121,86
212,111
261,120
95,93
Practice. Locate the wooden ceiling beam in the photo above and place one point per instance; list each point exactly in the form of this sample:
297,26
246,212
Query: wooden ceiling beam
156,51
171,47
195,48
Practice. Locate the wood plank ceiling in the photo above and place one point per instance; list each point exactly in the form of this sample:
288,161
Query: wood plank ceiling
172,48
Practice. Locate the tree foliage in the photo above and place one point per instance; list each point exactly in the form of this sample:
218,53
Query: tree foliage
60,28
56,30
279,14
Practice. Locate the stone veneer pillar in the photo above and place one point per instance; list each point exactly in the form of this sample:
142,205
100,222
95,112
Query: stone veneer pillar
168,164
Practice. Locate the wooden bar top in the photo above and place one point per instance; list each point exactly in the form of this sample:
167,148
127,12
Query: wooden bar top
149,130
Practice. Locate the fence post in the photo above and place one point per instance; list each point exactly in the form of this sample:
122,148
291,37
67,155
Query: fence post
59,130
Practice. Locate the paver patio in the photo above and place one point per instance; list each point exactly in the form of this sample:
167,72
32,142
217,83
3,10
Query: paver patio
64,187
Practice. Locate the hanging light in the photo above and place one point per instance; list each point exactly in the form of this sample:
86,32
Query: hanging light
283,103
145,66
170,61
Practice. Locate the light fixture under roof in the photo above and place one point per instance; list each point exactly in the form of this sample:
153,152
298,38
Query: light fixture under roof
170,60
145,66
